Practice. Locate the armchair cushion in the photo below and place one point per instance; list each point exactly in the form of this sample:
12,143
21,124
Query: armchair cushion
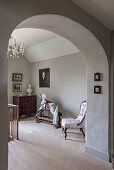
71,123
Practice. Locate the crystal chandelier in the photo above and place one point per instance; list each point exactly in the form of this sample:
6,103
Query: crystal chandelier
14,50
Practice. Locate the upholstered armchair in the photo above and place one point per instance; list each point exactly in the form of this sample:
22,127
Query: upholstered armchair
75,123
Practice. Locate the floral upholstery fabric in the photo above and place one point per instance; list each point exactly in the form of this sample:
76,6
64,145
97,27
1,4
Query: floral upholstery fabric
71,123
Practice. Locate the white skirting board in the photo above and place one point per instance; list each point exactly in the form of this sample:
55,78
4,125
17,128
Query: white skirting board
97,154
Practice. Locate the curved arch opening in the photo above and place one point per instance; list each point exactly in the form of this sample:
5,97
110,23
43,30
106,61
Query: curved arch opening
96,61
45,49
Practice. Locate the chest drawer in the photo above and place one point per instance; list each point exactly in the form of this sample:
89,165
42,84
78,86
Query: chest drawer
27,104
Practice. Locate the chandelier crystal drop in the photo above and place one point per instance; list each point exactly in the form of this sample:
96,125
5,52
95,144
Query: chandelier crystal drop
14,50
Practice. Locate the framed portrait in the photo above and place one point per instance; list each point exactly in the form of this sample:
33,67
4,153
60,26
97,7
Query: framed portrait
17,77
16,87
44,77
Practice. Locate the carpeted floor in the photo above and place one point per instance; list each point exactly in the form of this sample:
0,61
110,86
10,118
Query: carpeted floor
42,147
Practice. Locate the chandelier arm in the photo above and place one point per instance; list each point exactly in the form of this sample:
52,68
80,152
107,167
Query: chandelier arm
14,50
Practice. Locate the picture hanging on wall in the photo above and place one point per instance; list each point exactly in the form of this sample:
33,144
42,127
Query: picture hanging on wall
16,87
17,77
97,89
44,77
97,76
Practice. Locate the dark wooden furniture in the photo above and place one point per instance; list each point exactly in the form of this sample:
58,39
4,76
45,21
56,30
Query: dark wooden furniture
27,104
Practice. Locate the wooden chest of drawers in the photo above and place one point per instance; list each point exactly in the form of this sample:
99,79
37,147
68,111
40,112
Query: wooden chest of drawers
27,104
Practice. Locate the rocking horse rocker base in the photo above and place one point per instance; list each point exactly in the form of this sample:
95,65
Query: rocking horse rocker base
48,112
48,119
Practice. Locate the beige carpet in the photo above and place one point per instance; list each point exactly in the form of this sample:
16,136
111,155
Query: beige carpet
42,147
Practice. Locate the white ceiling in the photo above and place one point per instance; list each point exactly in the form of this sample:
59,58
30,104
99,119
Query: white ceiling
41,44
102,10
32,36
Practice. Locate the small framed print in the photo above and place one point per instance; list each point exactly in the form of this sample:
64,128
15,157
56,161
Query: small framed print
97,76
17,77
16,87
97,89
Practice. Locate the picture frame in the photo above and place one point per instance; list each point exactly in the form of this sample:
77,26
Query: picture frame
97,76
44,77
16,87
17,77
97,89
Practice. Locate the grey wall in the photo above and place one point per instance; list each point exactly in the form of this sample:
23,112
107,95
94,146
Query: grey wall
96,61
111,124
67,80
12,13
3,111
22,66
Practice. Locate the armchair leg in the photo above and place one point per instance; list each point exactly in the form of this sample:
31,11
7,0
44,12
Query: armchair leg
65,131
81,129
62,129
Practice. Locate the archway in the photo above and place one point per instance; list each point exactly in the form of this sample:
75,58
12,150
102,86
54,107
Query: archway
96,61
12,13
75,64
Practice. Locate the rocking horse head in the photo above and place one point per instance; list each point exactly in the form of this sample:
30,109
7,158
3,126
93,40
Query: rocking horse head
43,98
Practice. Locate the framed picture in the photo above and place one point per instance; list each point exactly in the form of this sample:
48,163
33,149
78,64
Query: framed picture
17,77
97,76
16,87
44,77
97,89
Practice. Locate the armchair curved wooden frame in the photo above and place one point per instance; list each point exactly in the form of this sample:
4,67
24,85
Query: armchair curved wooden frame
76,123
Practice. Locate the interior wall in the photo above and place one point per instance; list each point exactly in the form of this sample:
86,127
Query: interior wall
12,14
67,82
111,124
97,143
3,110
18,65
